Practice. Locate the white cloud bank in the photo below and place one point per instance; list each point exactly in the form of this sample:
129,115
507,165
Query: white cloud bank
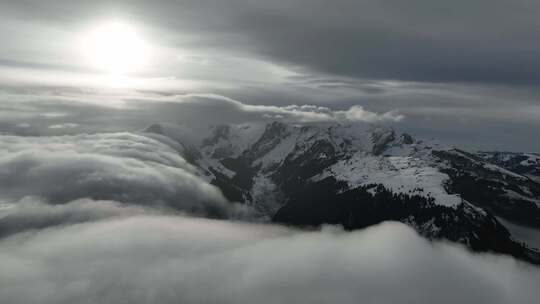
311,112
166,259
123,167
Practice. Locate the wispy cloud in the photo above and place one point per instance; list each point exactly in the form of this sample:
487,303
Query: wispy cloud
301,113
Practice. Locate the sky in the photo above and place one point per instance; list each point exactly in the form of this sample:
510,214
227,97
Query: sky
464,72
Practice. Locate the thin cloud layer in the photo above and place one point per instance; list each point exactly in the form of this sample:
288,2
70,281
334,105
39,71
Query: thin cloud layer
97,112
164,259
123,167
298,113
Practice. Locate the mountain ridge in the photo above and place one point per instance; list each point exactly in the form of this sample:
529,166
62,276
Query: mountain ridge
359,174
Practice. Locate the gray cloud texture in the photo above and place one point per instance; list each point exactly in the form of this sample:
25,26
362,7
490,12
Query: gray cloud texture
123,167
135,111
226,107
164,259
458,41
31,213
456,115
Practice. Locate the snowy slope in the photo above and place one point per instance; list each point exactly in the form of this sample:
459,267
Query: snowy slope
401,174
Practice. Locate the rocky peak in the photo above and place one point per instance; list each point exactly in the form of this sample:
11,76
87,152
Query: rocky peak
381,138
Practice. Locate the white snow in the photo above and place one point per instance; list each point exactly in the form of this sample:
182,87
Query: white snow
278,153
398,174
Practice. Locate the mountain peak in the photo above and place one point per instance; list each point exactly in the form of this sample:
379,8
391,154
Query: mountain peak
358,174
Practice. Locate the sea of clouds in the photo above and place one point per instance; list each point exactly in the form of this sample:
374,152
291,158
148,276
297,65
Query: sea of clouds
176,259
123,218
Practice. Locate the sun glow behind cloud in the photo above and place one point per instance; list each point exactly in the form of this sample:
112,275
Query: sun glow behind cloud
115,48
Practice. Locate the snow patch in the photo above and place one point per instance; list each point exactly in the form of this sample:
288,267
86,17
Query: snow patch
407,175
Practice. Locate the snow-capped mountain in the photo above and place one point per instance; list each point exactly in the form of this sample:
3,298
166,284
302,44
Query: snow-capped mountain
357,175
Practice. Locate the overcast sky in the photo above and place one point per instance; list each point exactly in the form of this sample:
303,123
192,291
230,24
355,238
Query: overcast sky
466,72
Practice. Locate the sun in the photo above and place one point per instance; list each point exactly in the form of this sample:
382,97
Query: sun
115,48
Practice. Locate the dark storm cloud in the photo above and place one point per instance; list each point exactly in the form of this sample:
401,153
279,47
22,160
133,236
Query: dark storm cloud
166,259
450,41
